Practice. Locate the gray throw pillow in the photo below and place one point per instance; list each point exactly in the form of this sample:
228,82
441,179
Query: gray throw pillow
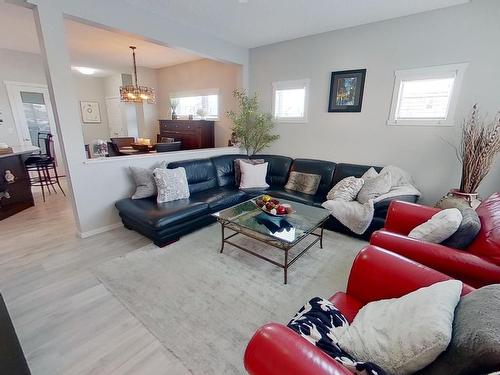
467,231
144,182
306,183
237,169
374,187
475,341
171,183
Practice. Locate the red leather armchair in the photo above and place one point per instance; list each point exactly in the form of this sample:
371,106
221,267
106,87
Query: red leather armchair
478,265
376,274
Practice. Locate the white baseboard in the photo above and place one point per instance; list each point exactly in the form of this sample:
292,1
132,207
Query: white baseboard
93,232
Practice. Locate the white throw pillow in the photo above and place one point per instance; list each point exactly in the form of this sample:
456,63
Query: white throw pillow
253,176
374,187
171,184
370,173
439,227
403,335
346,189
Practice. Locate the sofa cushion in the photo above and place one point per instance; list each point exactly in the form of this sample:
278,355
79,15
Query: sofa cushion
277,192
253,176
145,185
220,198
374,187
315,321
475,342
278,168
237,167
306,183
224,168
405,334
200,173
487,242
439,227
467,231
320,167
157,215
171,183
346,189
343,170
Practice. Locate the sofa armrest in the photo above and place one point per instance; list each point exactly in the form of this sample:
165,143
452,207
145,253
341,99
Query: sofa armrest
402,217
458,264
275,349
381,274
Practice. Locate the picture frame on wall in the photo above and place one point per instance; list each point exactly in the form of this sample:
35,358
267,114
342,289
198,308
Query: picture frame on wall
346,90
91,113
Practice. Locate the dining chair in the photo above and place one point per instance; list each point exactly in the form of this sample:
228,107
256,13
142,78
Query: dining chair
168,147
123,141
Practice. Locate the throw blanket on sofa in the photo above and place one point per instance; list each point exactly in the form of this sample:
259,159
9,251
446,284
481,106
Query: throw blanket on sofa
357,216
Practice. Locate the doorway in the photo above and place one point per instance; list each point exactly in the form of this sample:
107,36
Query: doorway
32,112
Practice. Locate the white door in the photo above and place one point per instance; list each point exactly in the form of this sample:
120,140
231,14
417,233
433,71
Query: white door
32,112
115,117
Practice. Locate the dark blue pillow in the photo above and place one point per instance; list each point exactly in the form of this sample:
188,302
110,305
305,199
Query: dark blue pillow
466,232
314,321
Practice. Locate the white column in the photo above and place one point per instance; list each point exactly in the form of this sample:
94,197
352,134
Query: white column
51,34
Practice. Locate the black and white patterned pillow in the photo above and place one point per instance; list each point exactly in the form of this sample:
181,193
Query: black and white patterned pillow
314,322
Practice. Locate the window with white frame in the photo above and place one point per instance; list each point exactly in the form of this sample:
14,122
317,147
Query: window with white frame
426,96
290,100
201,104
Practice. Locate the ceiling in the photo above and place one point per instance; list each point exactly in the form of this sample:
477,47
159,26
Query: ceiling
247,23
106,51
252,23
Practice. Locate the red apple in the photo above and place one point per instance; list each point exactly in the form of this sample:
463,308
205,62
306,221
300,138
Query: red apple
281,210
269,206
275,201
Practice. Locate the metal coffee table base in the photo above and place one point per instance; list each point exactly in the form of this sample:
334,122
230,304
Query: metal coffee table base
274,243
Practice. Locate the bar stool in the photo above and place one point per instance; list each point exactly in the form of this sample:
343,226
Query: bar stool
43,164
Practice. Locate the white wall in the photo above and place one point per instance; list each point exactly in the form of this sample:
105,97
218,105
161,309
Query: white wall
92,89
95,186
468,33
18,67
199,75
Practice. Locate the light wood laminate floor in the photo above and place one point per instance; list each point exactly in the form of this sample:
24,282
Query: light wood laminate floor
66,320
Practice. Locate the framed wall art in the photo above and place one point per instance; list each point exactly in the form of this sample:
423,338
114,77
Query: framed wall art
346,91
91,113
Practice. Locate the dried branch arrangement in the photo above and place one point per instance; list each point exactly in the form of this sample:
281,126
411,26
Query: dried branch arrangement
479,146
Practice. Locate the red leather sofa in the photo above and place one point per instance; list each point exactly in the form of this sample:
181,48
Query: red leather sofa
478,265
376,274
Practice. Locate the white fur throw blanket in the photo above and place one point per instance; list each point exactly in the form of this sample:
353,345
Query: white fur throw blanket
357,216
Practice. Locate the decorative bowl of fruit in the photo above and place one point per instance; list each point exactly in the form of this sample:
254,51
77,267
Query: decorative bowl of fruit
273,206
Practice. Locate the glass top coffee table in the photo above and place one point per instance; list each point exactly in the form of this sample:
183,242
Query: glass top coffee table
281,232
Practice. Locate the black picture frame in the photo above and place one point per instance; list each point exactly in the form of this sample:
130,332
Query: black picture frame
352,81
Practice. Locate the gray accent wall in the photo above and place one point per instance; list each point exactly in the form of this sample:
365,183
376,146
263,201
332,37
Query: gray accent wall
466,33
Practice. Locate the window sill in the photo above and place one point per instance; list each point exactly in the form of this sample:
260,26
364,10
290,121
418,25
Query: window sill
291,120
420,123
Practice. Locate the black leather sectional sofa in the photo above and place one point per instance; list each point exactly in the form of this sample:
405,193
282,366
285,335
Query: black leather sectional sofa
212,187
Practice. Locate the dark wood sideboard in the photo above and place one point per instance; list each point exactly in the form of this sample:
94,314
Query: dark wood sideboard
15,196
193,134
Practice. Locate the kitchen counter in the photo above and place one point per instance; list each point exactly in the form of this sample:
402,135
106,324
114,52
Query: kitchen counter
20,150
15,187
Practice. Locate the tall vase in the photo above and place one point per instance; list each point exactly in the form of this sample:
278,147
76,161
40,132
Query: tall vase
456,198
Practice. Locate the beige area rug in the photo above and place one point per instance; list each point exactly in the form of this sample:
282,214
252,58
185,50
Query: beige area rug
205,306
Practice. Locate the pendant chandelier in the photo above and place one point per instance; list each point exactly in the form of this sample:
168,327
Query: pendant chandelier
135,93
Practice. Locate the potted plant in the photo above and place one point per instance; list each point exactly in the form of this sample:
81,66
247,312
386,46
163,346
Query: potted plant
251,128
479,146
